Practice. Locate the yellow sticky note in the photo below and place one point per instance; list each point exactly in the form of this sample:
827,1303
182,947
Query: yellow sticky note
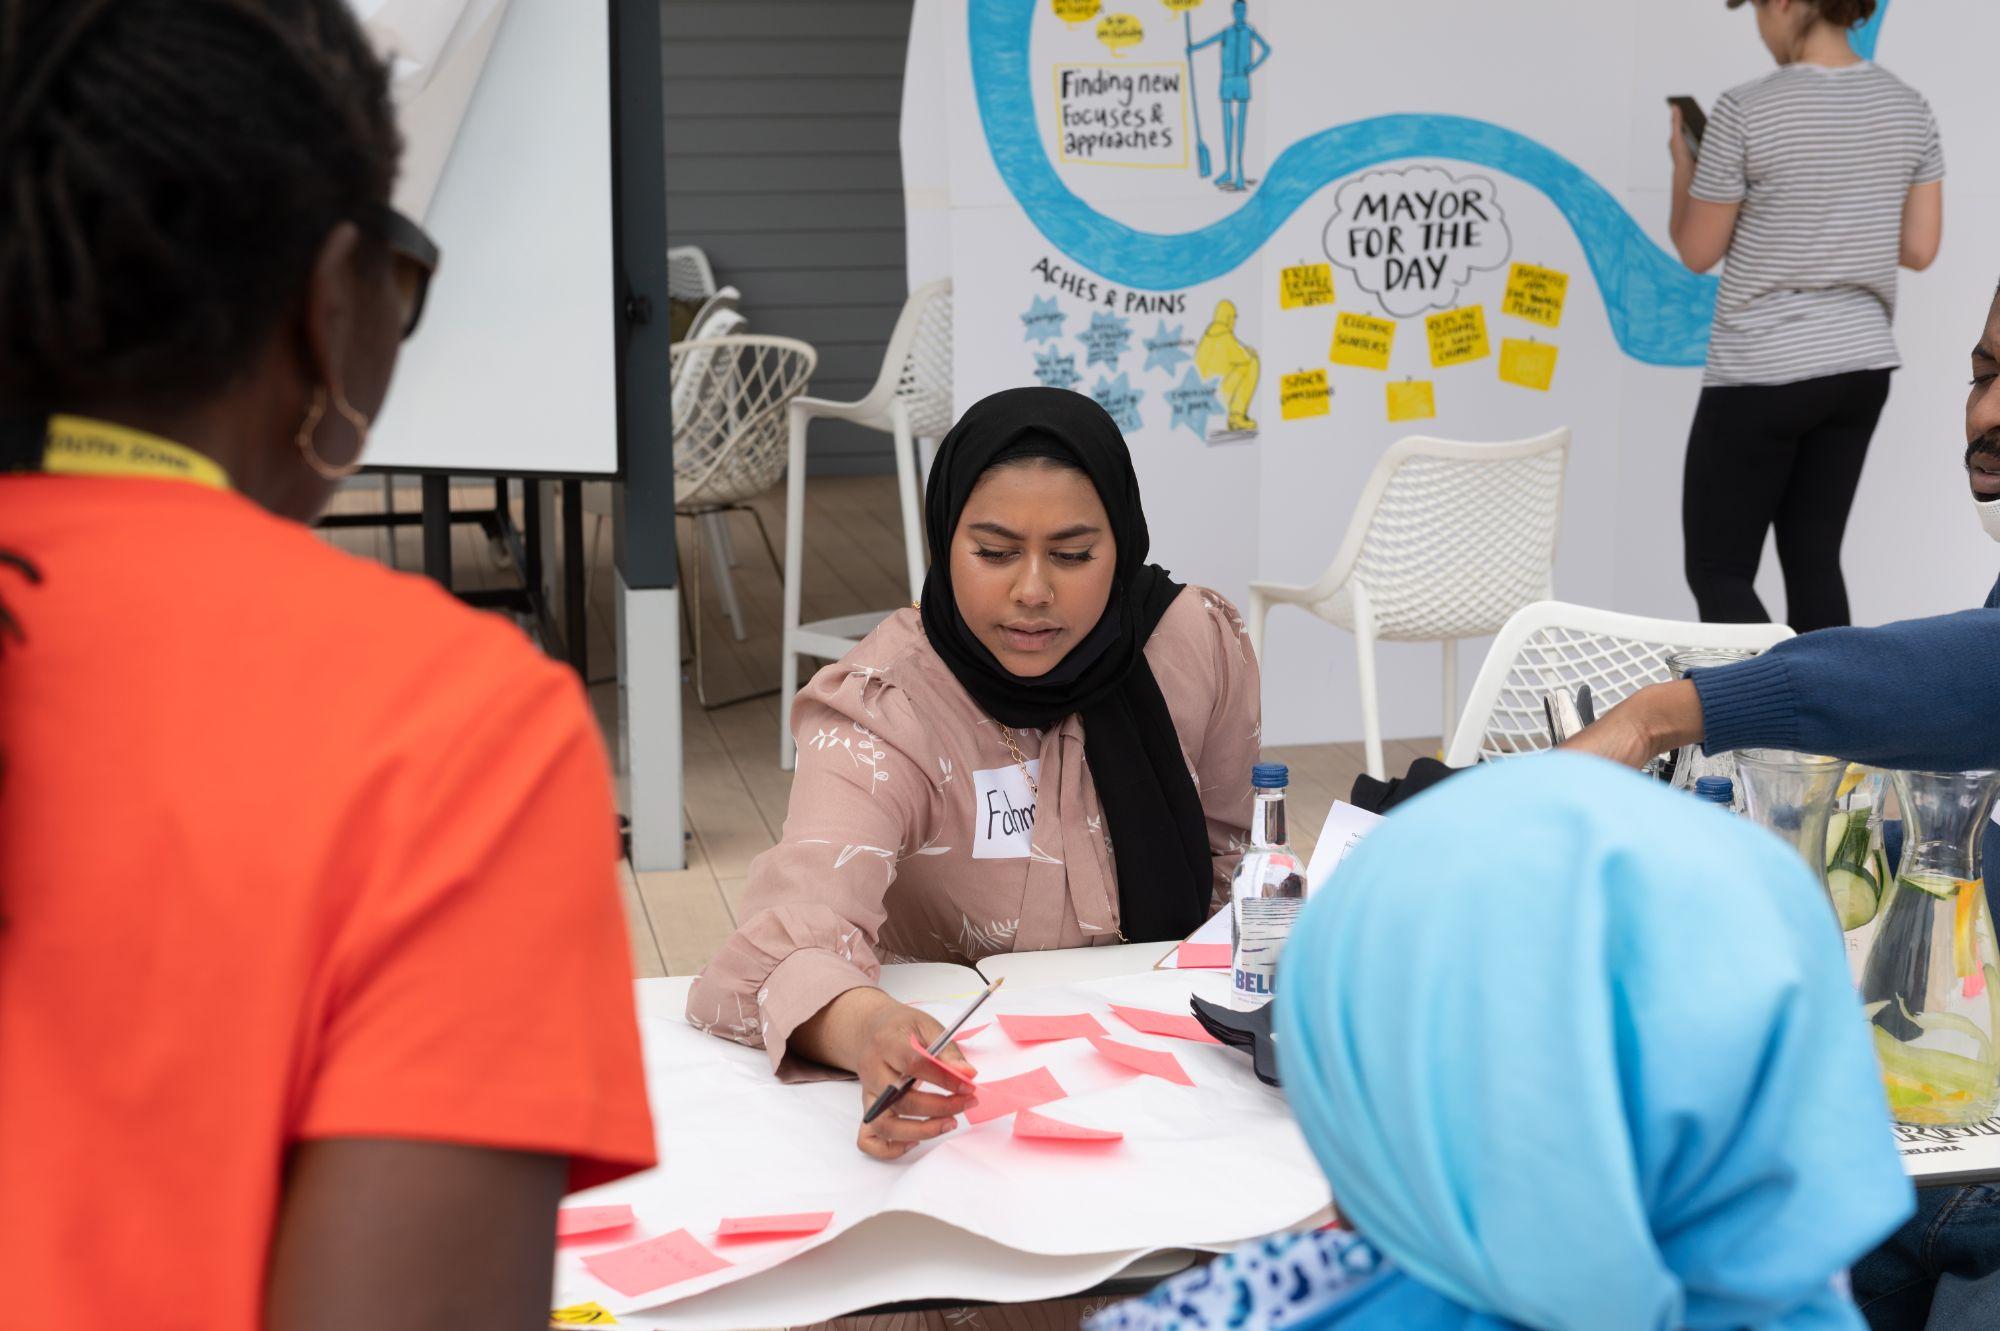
1181,6
1458,336
582,1314
1535,294
1529,364
1363,340
1305,285
1304,394
1412,400
1118,31
1076,11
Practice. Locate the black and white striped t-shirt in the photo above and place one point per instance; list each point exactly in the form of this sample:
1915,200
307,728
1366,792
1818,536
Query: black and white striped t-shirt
1822,160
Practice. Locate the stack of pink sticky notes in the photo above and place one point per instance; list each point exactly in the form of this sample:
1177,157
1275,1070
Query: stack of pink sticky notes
933,1063
1028,1028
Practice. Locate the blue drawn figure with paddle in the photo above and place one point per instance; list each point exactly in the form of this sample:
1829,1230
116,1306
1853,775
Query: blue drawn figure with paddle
1243,50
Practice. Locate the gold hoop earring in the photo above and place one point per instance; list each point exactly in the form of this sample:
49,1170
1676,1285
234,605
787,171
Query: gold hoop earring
314,414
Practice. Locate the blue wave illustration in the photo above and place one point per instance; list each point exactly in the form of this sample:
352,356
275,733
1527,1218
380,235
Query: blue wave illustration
1659,311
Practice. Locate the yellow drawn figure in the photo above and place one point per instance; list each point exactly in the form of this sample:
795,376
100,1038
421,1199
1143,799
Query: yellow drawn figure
1221,354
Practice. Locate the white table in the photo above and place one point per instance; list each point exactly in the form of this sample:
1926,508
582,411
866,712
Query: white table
897,1258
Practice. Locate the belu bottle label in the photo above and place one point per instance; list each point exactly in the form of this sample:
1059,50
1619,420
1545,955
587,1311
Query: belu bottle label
1262,926
1003,811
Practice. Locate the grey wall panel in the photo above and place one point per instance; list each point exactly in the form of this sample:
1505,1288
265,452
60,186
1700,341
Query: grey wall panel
783,164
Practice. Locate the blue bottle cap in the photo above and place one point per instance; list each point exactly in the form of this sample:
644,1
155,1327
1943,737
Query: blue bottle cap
1716,789
1270,776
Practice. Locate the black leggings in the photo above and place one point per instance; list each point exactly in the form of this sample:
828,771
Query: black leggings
1787,456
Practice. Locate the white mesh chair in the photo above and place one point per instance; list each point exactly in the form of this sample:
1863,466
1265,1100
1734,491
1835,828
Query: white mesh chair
911,400
732,397
689,276
718,317
1447,540
1551,645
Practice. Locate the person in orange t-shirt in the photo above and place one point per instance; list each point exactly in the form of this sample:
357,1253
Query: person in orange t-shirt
315,993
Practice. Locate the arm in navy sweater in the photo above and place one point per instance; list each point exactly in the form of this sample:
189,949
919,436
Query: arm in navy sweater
1923,694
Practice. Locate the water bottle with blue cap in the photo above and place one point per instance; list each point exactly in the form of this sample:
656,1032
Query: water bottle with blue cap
1266,894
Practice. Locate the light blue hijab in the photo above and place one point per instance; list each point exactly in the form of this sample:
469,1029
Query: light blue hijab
1579,1053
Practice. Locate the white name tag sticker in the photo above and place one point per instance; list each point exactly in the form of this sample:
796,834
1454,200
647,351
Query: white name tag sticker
1003,811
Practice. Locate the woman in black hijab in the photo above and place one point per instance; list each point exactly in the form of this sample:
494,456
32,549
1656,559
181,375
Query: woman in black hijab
1054,751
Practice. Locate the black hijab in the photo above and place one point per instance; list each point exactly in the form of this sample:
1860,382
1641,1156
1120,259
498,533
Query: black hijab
1151,809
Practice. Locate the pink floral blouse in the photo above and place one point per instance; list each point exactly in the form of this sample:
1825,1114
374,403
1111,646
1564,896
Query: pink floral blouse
915,835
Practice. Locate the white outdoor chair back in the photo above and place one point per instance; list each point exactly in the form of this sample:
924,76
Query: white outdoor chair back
731,396
689,276
910,400
1451,538
1447,540
1551,645
924,368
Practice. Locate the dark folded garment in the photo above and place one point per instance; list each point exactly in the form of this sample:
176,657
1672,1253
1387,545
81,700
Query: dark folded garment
1247,1031
1382,796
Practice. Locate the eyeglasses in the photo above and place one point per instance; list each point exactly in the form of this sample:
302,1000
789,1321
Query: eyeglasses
415,255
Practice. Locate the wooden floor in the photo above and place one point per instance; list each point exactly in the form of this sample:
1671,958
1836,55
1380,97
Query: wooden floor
734,791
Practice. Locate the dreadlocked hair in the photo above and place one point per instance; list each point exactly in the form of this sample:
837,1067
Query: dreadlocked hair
168,171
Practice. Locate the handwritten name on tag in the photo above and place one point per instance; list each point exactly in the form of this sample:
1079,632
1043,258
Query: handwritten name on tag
1003,811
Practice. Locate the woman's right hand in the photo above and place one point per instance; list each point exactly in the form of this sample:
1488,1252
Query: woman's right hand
883,1057
1677,145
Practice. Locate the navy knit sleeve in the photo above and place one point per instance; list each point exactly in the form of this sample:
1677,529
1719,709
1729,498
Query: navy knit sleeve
1924,694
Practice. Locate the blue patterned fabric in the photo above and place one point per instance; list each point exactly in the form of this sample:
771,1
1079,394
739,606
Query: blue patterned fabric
1277,1283
1577,1053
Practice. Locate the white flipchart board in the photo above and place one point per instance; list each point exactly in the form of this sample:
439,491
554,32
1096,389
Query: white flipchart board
513,369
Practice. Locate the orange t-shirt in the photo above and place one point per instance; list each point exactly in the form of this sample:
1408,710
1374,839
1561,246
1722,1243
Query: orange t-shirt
291,847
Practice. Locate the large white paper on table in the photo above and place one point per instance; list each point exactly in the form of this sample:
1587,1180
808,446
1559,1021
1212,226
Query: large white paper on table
1343,830
1206,1166
892,1258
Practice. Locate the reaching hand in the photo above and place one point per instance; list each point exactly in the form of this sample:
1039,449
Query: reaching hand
883,1057
1650,722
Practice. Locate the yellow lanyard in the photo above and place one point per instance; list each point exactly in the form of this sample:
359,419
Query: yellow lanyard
80,446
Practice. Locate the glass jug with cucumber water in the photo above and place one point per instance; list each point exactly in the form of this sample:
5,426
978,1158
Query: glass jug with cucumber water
1931,983
1266,894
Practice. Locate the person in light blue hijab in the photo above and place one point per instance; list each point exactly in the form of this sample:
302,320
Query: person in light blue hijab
1577,1053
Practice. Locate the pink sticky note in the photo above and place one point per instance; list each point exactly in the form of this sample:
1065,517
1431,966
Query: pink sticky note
1975,983
590,1219
774,1226
641,1268
968,1032
1024,1028
1152,1062
1202,957
1027,1123
1179,1026
933,1064
1023,1092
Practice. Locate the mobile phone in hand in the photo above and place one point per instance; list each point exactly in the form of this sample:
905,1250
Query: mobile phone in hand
1694,121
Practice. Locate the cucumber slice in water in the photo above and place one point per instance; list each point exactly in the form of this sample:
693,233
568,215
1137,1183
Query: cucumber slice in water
1855,895
1836,835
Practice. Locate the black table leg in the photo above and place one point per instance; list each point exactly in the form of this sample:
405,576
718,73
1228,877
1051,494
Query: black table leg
437,529
531,534
576,640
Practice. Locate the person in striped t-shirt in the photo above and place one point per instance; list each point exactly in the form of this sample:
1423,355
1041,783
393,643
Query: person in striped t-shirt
1814,183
